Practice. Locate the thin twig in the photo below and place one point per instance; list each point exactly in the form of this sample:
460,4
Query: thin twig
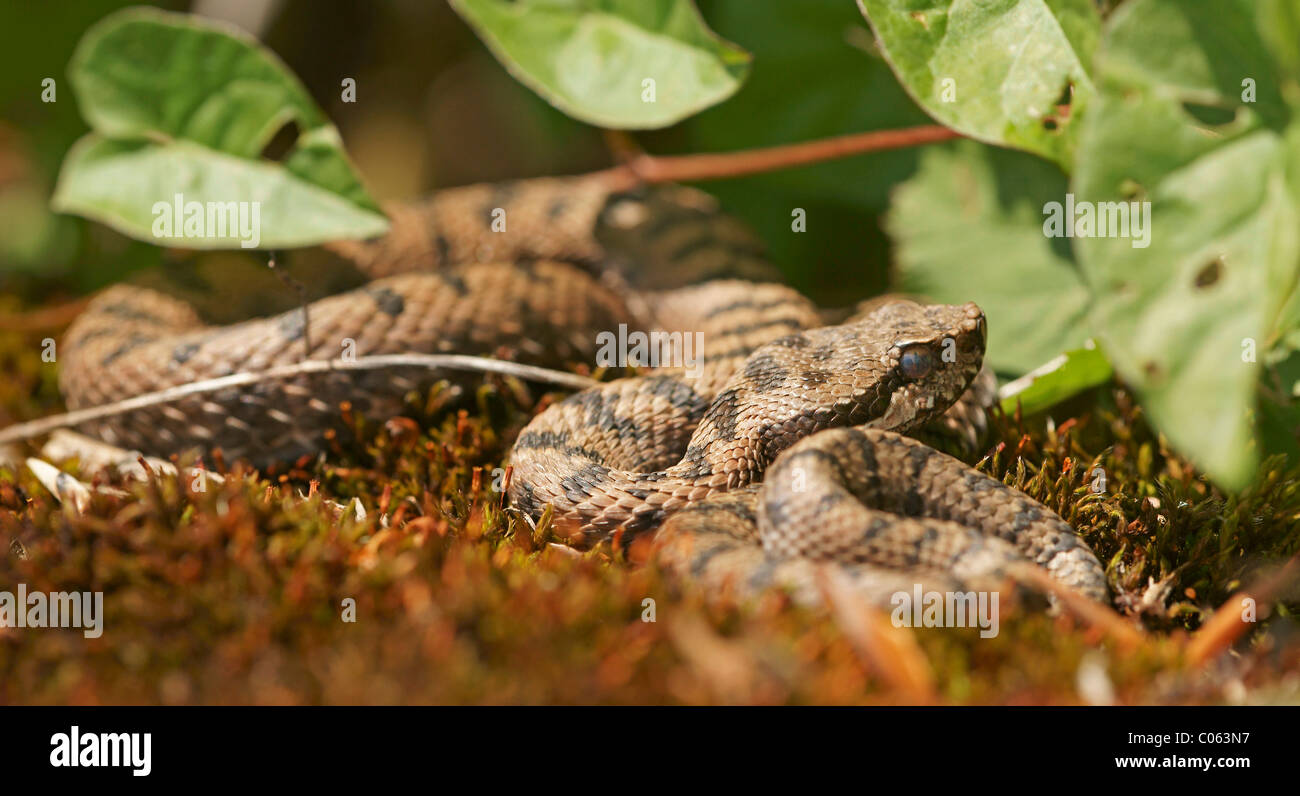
448,361
713,166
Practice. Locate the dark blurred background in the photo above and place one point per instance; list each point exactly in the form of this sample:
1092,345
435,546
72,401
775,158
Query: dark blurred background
434,109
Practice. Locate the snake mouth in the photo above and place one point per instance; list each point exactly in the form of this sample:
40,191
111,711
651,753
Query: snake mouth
908,407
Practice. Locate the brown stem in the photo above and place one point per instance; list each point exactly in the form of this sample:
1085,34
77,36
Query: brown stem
1226,625
46,318
655,169
1127,635
622,146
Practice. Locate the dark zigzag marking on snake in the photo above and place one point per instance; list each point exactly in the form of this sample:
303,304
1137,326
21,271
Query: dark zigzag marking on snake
702,560
739,352
443,247
913,502
777,512
873,530
747,304
756,326
764,369
721,415
555,441
677,393
455,282
95,334
736,503
128,312
870,467
601,408
577,485
131,342
600,412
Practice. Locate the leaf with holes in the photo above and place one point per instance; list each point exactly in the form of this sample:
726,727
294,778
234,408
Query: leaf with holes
186,106
969,227
1015,74
1196,114
629,64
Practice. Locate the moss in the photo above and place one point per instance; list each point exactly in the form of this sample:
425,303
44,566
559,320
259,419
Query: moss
236,594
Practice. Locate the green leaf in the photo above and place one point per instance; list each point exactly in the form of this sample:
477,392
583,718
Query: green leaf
997,71
1060,378
110,180
969,227
185,105
591,58
1185,319
1279,402
31,237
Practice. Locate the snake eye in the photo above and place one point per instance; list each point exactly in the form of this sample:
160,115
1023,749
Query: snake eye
916,363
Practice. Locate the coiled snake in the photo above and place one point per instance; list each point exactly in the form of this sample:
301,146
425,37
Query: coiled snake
776,450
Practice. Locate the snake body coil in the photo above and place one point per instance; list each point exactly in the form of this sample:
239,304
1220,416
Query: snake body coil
777,451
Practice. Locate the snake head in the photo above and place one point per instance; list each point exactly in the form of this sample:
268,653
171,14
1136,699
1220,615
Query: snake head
893,368
930,353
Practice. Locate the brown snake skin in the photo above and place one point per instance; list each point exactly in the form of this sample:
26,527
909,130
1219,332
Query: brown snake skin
736,458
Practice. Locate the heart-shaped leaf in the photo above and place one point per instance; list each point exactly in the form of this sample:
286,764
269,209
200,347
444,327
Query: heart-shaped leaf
629,64
186,106
1008,73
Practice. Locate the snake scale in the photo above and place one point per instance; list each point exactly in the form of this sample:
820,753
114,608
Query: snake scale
779,452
